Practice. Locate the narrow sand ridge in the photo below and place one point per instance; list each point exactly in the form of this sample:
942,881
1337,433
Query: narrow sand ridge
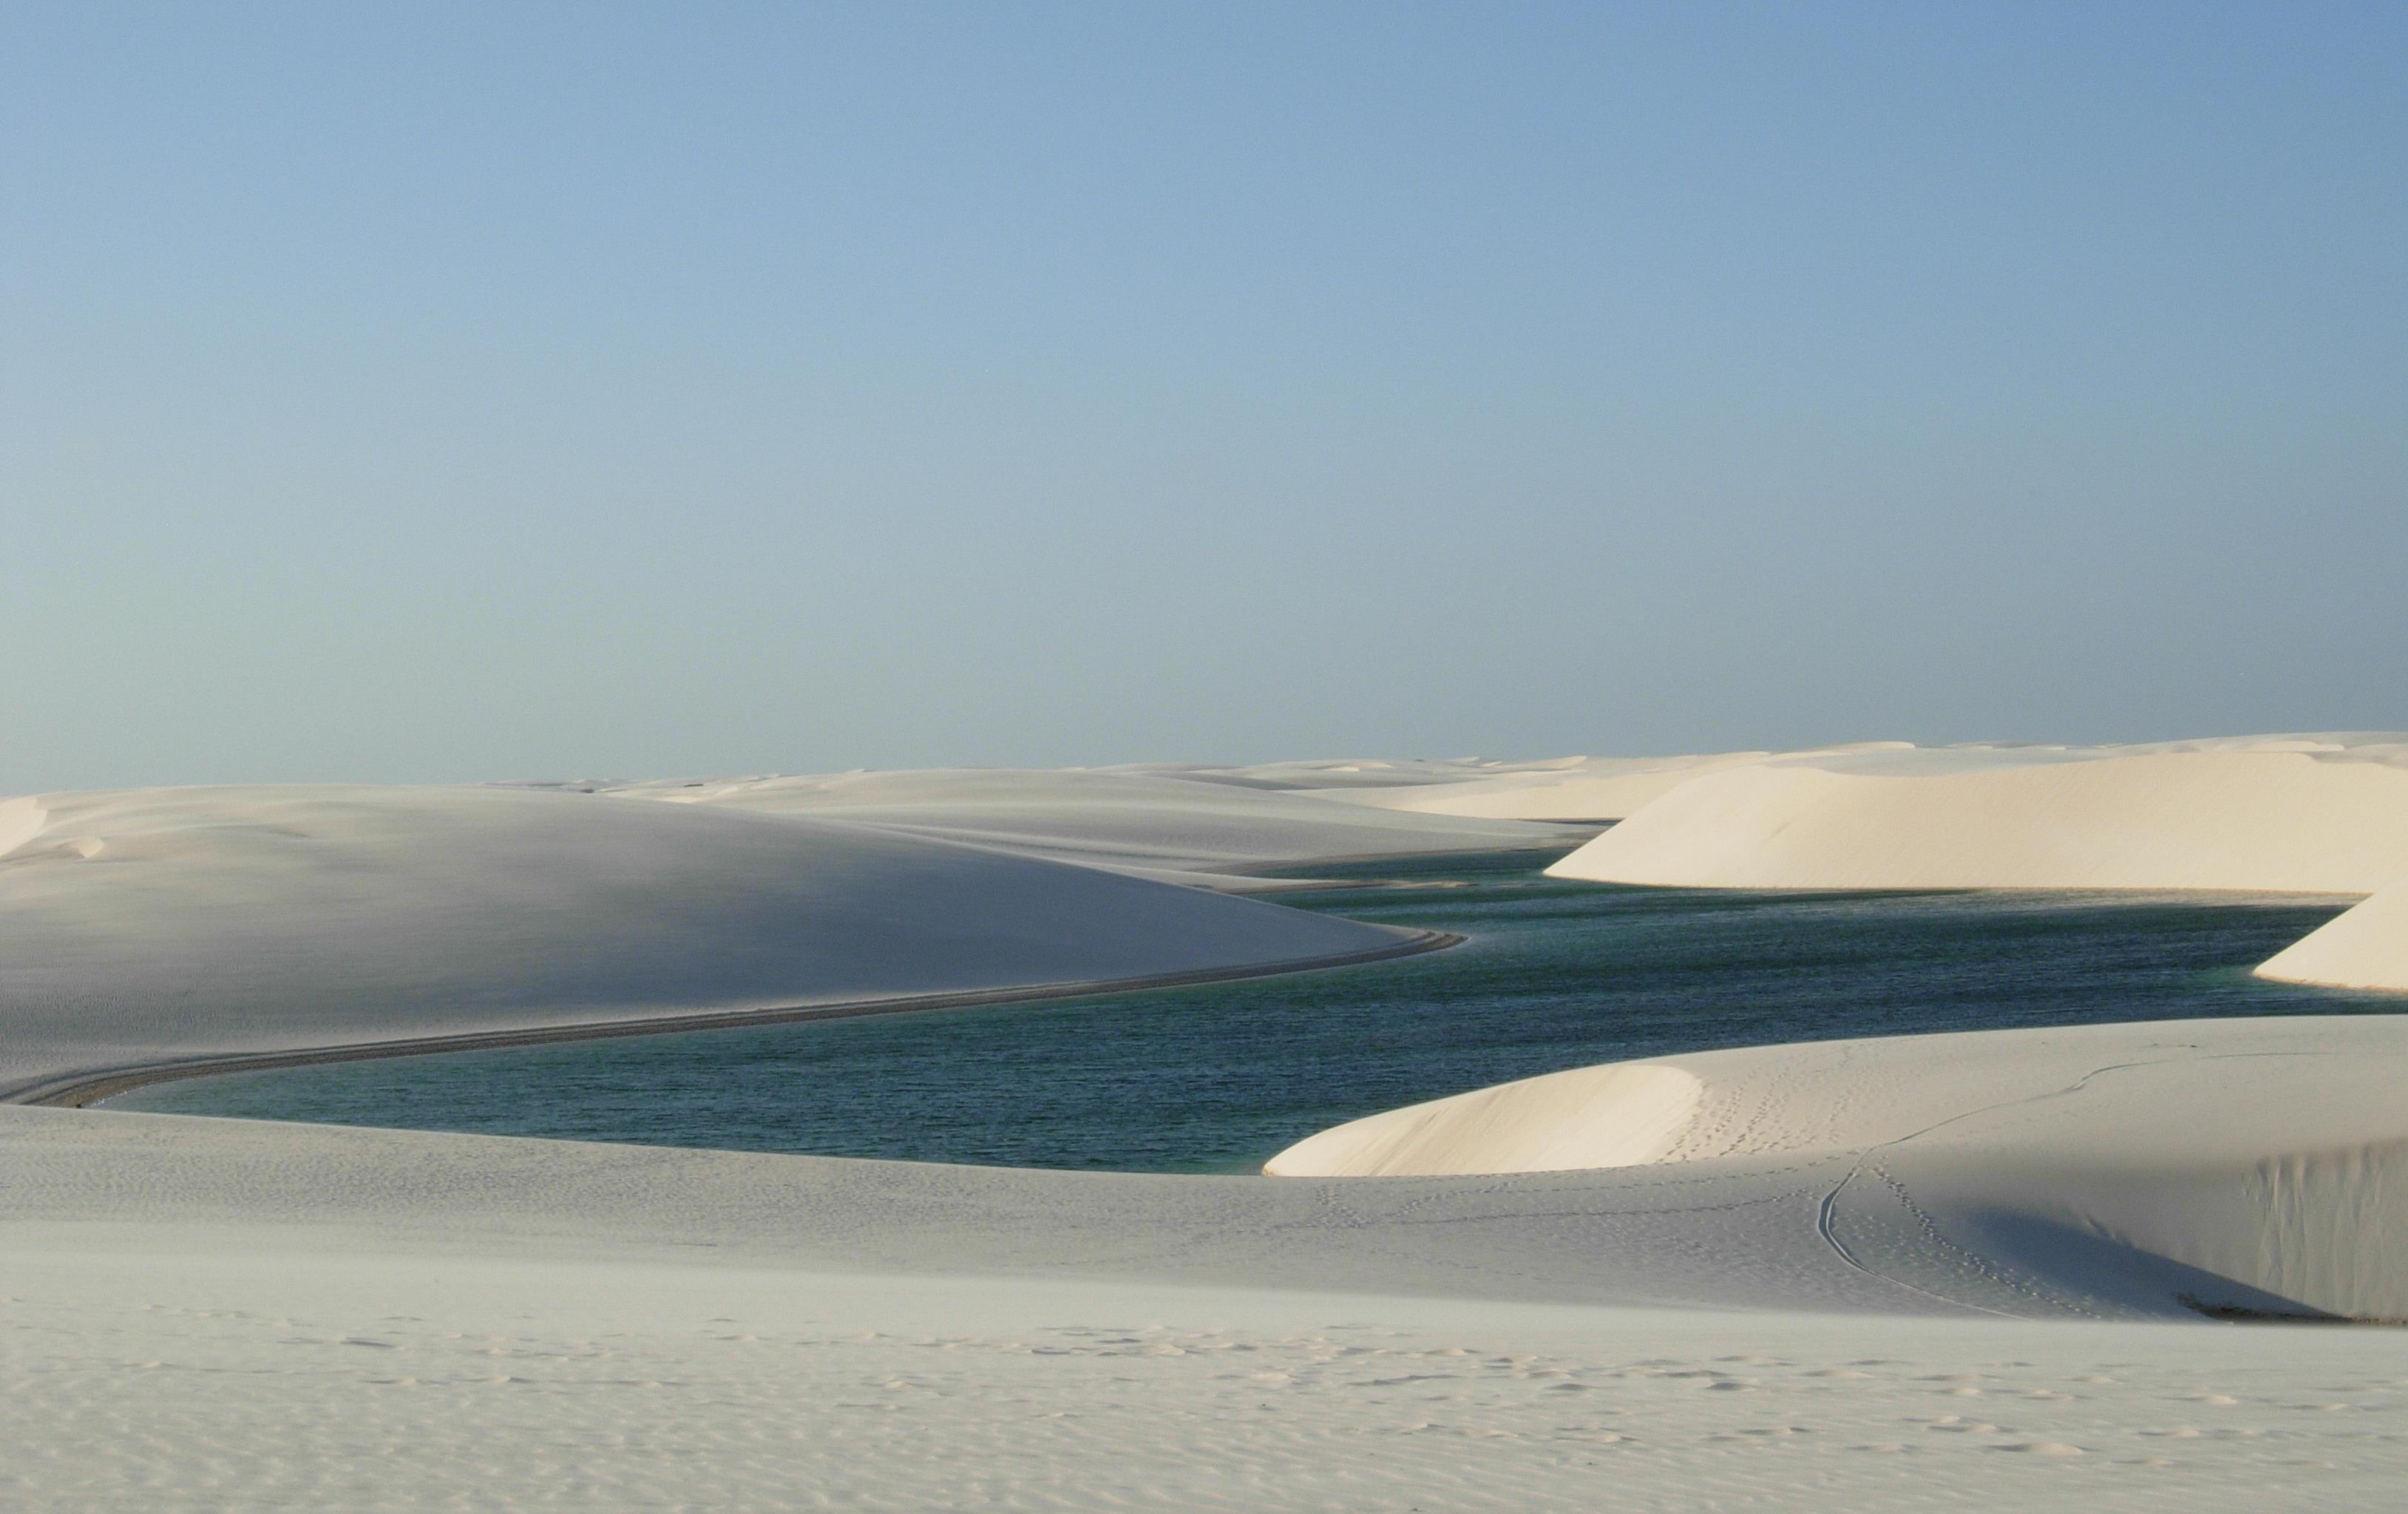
1186,825
2270,814
161,925
2366,947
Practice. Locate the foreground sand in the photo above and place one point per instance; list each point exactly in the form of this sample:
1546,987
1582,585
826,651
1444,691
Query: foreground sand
224,1368
1835,1293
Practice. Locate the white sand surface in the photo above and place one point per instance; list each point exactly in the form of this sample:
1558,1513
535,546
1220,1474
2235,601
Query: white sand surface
2308,814
1875,1248
1210,826
158,925
2365,946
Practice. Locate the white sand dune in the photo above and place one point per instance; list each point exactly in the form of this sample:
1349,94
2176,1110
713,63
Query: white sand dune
2365,946
2323,815
2248,1164
1208,826
163,925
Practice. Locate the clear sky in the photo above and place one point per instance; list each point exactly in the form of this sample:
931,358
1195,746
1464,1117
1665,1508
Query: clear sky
522,390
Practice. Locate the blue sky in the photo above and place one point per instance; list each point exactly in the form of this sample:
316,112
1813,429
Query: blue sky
459,392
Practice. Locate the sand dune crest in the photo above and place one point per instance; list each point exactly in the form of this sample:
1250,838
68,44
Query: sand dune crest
1616,1116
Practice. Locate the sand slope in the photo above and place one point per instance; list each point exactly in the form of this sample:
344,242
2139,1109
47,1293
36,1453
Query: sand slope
2268,814
153,925
2250,1163
2366,947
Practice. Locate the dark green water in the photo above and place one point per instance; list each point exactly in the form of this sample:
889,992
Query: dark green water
1218,1078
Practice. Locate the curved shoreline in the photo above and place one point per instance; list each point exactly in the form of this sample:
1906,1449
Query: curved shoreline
82,1090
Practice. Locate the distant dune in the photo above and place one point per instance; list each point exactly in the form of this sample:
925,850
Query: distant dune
2324,815
160,924
1211,826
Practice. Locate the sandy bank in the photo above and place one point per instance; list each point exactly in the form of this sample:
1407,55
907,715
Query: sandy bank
161,926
